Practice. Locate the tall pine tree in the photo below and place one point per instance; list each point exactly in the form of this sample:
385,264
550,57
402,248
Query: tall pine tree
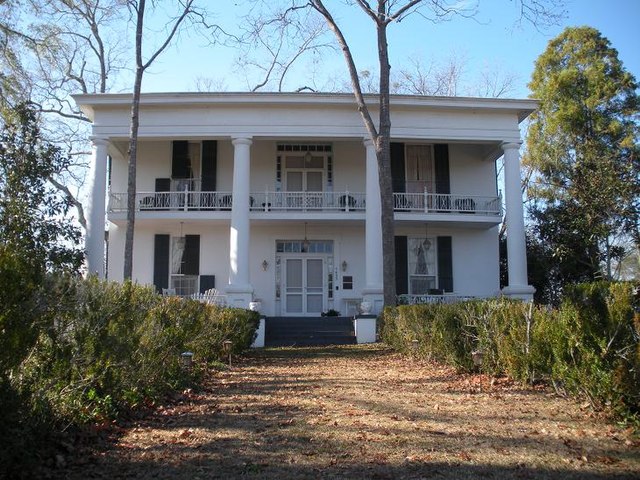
583,147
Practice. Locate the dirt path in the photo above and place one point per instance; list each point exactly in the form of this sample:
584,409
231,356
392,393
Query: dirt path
359,412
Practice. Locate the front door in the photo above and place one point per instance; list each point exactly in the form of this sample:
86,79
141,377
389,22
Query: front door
304,286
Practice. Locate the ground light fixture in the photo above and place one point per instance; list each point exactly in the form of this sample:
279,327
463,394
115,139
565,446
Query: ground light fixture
414,346
226,348
477,356
186,360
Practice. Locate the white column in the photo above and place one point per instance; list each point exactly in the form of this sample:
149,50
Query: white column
516,244
373,292
94,240
239,288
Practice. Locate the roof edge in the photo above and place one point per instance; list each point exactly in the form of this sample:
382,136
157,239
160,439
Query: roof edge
88,102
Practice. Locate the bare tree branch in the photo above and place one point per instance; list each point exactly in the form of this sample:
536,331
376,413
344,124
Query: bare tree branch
72,199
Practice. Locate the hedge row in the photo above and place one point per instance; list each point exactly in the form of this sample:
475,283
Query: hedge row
590,346
92,349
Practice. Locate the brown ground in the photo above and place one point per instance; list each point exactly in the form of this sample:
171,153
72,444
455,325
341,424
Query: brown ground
362,412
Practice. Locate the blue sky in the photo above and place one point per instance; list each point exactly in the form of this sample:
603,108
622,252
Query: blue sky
490,39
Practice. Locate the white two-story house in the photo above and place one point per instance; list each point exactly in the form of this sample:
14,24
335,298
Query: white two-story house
275,196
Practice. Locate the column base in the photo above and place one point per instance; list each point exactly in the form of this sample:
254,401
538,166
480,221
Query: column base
239,296
519,292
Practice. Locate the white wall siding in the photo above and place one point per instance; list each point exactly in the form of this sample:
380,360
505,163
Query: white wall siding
470,173
476,269
349,166
116,252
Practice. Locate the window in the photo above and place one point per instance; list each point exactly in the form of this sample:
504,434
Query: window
185,264
298,246
347,282
419,168
421,253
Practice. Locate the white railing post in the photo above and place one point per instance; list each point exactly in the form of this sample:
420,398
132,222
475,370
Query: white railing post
346,200
186,198
426,200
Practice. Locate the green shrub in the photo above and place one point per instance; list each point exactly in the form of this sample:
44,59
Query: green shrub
93,349
590,346
594,347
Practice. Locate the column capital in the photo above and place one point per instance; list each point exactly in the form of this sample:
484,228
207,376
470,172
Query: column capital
102,141
241,140
510,145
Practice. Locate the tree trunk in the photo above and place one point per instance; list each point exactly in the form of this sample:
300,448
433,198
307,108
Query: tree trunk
381,138
133,146
383,154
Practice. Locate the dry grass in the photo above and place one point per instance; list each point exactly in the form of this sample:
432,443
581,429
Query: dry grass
363,412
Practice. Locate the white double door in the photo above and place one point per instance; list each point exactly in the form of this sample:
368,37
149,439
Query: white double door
304,291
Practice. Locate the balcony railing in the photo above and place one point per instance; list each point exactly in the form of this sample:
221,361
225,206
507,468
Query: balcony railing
447,203
307,202
422,299
187,200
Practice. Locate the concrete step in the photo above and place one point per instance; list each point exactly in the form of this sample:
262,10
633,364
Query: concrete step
309,331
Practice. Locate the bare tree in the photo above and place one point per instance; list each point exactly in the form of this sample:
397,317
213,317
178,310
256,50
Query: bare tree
272,43
432,78
138,8
209,84
69,47
384,13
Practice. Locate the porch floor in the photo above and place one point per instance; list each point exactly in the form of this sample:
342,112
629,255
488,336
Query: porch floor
308,331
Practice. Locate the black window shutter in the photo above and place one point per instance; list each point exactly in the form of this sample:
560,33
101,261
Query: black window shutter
191,255
207,282
161,262
180,164
441,154
398,178
445,264
402,272
209,165
163,184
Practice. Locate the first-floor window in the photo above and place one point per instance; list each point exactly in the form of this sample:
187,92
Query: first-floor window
185,264
421,253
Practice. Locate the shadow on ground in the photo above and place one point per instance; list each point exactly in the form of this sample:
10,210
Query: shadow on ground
358,413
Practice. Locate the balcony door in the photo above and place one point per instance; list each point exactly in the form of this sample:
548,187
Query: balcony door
304,286
304,181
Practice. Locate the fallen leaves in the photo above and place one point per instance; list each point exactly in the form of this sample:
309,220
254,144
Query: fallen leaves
361,412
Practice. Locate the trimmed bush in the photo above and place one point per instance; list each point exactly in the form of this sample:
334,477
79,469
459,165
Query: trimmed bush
93,349
590,346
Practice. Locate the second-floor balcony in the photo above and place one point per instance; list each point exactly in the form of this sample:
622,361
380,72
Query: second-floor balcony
313,202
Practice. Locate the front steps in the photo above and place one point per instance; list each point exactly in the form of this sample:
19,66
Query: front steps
308,331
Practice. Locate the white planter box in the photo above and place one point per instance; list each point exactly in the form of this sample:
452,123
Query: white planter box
365,327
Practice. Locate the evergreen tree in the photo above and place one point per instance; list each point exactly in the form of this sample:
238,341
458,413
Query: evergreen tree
33,217
583,146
